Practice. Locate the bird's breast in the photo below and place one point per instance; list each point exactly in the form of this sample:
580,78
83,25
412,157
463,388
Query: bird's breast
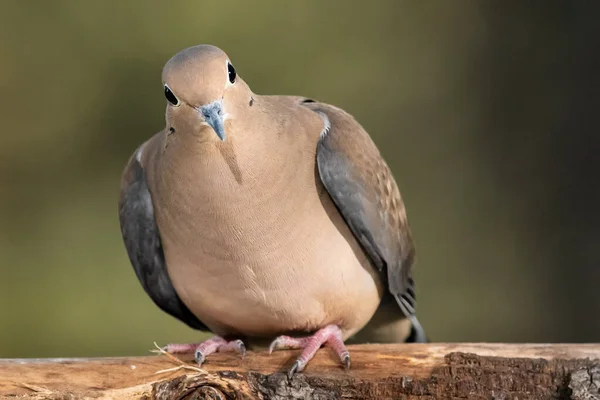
257,247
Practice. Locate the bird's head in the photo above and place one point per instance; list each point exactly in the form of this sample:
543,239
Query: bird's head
203,90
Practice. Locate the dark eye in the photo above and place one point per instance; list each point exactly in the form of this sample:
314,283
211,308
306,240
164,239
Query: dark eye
170,96
231,72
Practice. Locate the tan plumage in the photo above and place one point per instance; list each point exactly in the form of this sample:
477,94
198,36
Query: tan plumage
291,224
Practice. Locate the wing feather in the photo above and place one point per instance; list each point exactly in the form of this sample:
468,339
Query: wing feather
142,241
362,186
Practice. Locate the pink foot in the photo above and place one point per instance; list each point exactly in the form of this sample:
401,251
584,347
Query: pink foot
206,348
331,336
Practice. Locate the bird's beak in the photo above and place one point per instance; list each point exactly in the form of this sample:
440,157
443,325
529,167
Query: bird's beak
213,115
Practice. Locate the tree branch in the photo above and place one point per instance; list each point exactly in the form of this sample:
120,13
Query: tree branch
408,371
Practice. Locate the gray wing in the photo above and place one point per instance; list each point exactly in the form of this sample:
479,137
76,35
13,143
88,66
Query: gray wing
365,192
142,241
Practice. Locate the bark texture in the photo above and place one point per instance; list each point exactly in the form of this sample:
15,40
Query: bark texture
403,371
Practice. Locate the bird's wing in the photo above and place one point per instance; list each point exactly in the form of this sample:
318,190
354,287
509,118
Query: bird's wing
362,186
142,241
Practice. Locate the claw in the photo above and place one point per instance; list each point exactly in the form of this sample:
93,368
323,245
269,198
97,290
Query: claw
242,348
236,345
295,368
199,357
346,361
274,345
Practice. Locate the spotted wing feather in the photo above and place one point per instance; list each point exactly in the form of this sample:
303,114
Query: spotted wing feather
362,186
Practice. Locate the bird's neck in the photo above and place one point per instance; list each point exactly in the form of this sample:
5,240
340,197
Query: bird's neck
226,185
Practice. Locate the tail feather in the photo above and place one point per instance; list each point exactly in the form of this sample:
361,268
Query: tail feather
417,333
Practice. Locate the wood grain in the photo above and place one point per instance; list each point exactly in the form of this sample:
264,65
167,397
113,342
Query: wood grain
407,371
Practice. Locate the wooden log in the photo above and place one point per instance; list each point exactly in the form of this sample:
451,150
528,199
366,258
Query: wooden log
401,371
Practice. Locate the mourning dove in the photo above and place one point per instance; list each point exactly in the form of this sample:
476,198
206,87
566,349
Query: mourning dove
266,218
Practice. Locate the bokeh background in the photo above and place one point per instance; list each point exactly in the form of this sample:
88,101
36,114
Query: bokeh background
487,111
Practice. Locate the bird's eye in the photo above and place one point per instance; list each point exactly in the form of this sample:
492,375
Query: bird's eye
171,97
231,72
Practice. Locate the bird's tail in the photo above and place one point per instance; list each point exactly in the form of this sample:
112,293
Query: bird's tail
417,333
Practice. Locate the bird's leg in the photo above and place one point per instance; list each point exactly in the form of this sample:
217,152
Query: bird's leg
330,336
209,346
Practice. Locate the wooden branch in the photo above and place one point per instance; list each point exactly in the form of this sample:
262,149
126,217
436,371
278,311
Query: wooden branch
406,371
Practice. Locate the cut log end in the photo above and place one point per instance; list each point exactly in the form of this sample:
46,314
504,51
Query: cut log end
408,371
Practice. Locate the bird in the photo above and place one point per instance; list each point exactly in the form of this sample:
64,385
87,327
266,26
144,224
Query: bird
266,220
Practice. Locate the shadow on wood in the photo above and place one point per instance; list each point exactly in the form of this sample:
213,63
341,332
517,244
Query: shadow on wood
408,371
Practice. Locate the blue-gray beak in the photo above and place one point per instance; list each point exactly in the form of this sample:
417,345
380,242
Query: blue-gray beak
213,115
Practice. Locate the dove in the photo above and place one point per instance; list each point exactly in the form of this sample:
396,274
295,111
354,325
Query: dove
266,219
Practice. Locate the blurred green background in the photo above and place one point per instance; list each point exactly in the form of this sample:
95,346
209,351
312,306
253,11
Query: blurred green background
486,111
